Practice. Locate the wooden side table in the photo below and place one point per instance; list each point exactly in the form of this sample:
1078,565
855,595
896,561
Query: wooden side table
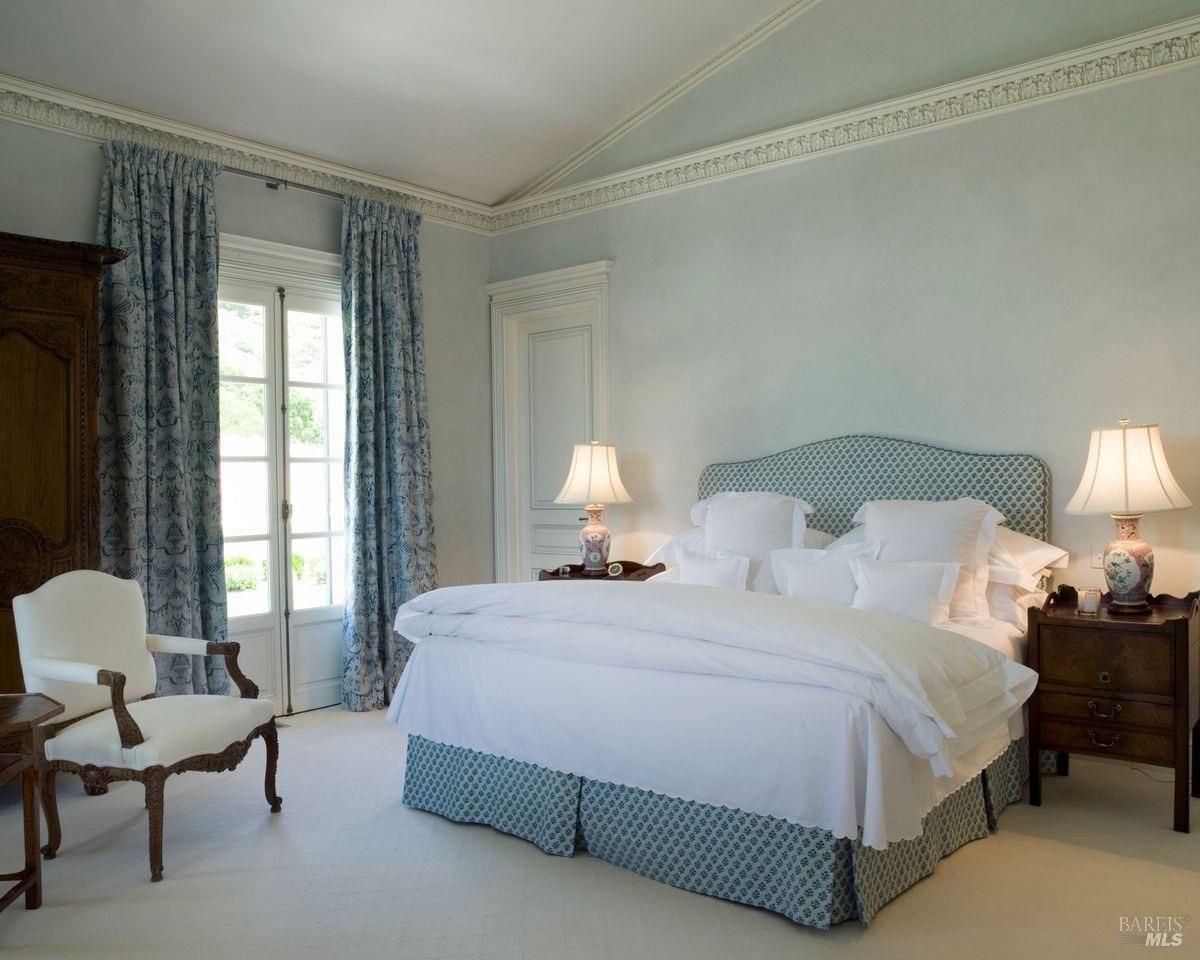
1119,686
628,571
20,717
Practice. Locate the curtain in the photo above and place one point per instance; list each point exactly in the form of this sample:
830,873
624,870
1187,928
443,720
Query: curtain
160,511
389,524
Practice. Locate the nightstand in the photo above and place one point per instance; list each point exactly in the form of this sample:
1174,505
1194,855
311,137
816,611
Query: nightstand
628,571
1117,686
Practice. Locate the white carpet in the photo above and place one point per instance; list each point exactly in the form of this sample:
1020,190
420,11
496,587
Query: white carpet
345,871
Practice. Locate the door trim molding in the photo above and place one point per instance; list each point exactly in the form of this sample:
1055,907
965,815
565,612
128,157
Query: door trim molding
586,284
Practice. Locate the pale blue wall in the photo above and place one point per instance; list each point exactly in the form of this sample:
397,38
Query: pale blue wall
843,54
1002,284
49,187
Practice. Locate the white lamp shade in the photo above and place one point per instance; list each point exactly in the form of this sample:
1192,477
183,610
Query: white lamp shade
1127,474
593,477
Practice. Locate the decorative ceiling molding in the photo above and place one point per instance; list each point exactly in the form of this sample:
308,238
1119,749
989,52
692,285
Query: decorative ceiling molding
681,86
44,106
1088,68
1148,53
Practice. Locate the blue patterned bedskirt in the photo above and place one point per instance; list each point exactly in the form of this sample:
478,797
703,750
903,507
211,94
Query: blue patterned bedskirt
803,873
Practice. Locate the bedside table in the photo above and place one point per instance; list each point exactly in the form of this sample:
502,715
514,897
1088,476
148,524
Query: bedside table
1117,686
629,571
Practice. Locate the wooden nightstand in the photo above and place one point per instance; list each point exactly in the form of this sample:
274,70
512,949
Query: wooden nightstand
1117,686
629,571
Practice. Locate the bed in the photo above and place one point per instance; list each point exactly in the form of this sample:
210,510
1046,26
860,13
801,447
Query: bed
753,780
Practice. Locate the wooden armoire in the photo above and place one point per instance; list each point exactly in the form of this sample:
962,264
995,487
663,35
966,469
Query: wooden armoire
49,390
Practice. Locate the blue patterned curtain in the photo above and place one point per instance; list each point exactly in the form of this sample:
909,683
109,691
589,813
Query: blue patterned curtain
160,508
389,523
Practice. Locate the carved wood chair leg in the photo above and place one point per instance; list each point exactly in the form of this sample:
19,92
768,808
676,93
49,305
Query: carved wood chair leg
271,739
155,780
50,809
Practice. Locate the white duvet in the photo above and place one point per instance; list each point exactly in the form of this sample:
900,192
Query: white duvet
939,691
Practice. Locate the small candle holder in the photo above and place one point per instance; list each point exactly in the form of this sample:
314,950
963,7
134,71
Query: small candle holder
1089,603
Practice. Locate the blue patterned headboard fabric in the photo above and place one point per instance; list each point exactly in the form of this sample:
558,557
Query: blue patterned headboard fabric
839,475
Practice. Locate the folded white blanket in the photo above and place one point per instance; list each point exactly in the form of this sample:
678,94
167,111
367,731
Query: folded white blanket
934,688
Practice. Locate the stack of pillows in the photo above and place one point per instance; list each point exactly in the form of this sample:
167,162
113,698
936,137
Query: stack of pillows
923,560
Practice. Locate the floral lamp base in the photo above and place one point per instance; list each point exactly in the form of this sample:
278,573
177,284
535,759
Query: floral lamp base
594,541
1128,568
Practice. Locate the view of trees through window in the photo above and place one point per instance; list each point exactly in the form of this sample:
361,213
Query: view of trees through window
309,456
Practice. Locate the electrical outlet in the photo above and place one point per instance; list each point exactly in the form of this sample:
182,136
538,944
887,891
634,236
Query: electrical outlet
1097,557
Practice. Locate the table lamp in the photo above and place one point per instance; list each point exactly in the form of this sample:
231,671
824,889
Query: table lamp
593,480
1126,476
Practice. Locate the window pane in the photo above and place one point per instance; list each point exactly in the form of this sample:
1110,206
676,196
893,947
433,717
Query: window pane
306,346
310,573
337,570
243,420
243,498
337,424
247,567
309,496
335,350
337,496
306,422
241,328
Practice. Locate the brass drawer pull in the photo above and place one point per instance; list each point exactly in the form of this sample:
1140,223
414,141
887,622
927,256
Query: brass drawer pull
1116,738
1104,677
1114,712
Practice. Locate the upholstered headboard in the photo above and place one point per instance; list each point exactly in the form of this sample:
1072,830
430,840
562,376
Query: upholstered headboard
838,476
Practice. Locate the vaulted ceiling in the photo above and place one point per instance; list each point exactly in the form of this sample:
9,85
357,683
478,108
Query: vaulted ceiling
471,97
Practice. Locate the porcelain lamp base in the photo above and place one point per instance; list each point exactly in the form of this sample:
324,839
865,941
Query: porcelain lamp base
594,541
1128,568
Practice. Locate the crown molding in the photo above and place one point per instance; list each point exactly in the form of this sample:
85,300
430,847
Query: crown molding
520,288
723,58
45,106
1143,54
1146,53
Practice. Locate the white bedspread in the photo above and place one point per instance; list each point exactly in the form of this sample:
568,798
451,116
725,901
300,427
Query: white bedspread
822,715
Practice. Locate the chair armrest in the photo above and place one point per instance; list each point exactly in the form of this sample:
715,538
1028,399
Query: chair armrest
72,671
127,728
69,671
202,648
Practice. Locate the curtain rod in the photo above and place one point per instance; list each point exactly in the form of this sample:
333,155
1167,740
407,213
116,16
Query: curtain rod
274,183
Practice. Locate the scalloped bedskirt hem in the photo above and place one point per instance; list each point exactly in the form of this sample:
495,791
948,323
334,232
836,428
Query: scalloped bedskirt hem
806,874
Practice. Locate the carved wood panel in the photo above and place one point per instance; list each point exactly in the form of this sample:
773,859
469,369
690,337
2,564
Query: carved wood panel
49,495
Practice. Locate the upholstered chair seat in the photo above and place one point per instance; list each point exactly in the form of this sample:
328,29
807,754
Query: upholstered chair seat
175,728
83,641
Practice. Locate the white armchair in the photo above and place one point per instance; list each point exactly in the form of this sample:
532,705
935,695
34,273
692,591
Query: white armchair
83,632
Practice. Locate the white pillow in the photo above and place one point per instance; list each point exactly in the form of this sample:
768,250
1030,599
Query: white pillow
945,531
855,535
716,569
819,574
752,525
919,590
668,553
1025,553
693,539
1010,602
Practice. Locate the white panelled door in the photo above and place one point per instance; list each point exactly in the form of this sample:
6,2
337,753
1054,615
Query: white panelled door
550,386
282,484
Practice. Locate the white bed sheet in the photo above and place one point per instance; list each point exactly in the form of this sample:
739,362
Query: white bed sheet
812,756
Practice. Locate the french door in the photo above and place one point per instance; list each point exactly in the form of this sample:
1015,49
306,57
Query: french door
283,400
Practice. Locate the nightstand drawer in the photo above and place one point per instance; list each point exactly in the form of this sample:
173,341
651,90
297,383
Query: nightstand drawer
1113,710
1116,660
1106,741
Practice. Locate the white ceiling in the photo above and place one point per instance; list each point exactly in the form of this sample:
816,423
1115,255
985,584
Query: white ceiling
471,97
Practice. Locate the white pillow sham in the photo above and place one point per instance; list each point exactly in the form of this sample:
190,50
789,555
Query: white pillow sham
714,569
752,525
1010,602
916,590
958,531
1026,553
693,539
823,575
